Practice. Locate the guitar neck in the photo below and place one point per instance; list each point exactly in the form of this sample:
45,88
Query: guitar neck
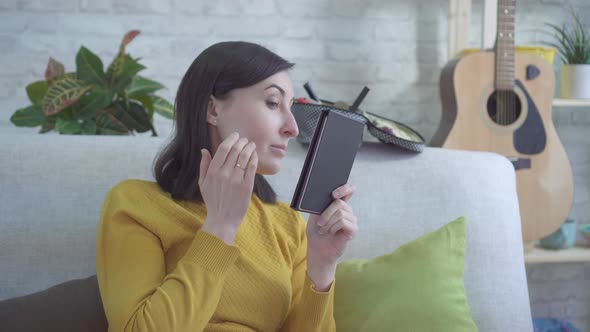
504,79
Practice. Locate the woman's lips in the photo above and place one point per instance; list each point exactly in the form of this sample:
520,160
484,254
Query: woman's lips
280,149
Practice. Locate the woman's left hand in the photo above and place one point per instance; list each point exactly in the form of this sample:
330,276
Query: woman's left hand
329,233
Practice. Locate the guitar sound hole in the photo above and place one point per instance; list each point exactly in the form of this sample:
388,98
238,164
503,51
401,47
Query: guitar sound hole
504,107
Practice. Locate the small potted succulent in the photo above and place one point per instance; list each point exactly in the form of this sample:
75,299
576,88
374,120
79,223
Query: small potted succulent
572,42
92,101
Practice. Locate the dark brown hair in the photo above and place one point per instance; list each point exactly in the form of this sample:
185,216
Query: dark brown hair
218,70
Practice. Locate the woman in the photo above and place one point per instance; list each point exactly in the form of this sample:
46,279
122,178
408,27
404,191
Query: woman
207,247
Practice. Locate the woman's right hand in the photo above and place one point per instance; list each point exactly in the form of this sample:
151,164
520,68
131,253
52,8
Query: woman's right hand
226,182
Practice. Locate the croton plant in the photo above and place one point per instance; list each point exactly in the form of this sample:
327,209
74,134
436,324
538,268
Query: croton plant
91,101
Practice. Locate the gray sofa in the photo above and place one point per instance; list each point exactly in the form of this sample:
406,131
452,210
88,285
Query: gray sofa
53,187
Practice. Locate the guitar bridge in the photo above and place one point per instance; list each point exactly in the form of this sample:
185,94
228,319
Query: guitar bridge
520,163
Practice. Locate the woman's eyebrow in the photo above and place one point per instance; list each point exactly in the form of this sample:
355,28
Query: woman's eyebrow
276,86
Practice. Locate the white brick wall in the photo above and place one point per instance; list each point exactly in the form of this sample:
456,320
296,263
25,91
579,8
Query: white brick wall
561,291
395,47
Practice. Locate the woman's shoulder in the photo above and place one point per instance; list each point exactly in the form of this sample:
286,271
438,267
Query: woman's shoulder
135,186
150,206
137,193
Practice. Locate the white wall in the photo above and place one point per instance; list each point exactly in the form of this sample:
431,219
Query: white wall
397,48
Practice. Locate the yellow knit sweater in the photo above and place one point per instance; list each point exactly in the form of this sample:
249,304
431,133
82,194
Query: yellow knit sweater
158,272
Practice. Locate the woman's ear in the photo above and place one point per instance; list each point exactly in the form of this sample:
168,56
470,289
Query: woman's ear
212,111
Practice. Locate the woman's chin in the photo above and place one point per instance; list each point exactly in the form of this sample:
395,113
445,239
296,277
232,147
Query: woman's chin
269,169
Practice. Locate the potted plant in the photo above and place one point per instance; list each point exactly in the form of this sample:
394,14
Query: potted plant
92,101
573,45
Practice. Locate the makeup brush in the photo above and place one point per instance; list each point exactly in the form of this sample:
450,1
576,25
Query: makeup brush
311,93
359,99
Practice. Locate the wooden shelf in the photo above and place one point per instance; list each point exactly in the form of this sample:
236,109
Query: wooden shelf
571,102
571,255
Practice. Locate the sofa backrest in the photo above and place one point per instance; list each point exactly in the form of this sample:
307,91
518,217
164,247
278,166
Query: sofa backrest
53,188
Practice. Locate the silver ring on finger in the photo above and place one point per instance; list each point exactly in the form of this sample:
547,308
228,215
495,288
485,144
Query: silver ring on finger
238,166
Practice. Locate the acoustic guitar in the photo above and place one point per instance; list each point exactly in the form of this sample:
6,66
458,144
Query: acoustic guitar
501,101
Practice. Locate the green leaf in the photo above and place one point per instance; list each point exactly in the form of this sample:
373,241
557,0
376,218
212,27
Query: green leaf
563,40
63,93
89,67
129,68
47,126
70,75
571,41
114,69
66,114
119,111
148,103
31,116
133,117
54,70
108,124
69,127
89,127
163,107
141,117
141,86
36,91
128,38
93,102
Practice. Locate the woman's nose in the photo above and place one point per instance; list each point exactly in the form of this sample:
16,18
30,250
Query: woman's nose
290,128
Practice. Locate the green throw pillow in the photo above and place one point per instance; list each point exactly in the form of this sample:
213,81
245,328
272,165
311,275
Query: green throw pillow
419,287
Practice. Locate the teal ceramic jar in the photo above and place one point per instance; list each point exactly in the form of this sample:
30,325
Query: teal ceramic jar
563,238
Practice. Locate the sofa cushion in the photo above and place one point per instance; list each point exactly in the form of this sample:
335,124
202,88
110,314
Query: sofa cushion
418,287
74,305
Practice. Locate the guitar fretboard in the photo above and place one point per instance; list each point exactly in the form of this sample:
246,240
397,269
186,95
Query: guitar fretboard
504,79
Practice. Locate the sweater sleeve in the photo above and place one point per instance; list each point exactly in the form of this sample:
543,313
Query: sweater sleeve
138,294
311,310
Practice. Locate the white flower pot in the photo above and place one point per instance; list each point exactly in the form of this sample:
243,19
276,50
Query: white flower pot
575,81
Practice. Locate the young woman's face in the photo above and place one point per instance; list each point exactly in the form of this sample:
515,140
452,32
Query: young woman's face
260,113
